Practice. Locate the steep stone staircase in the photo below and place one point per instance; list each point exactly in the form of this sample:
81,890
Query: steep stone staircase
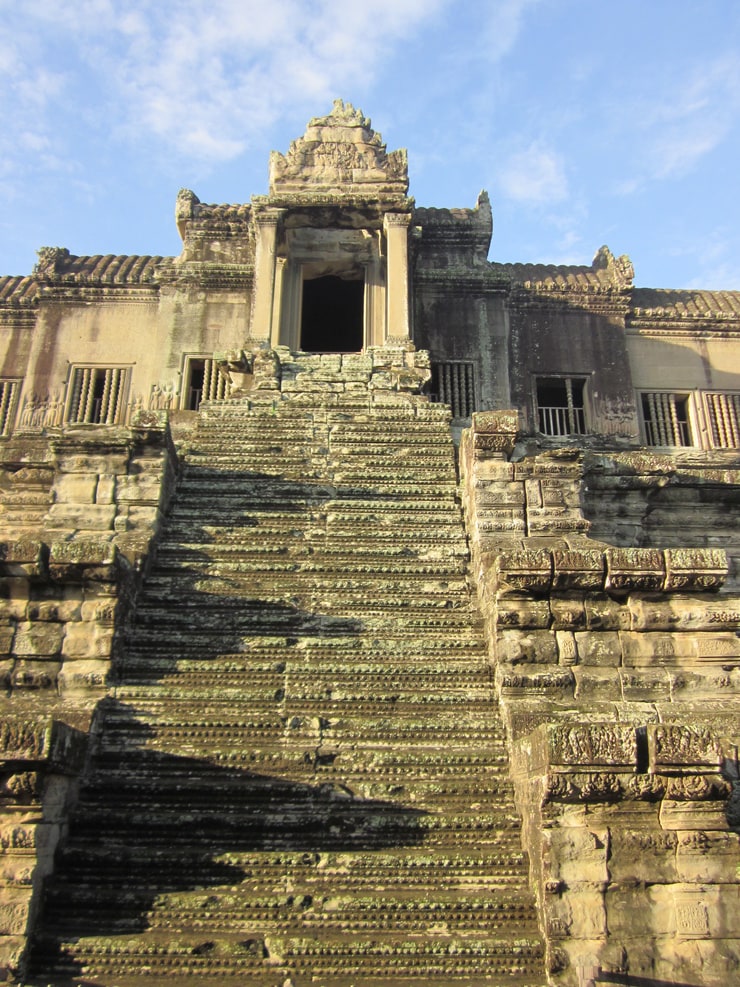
301,777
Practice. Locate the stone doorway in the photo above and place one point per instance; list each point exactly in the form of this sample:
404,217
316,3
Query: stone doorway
332,315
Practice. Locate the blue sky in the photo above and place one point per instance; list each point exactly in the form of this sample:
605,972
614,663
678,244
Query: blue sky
588,122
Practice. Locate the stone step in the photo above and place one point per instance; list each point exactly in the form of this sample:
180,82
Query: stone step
301,912
379,961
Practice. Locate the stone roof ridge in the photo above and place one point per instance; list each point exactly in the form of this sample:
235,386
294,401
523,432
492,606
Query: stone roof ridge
479,214
606,272
57,265
18,289
339,151
685,303
189,207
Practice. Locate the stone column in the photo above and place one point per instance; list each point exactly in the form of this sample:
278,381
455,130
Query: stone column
396,227
278,294
374,303
264,280
289,304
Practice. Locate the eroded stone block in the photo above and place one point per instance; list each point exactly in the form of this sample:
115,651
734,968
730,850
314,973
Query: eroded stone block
41,638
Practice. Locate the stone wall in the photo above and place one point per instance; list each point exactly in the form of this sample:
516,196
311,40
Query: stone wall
618,673
78,510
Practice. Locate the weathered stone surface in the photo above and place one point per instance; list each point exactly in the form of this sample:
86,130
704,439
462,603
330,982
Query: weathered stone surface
641,635
39,638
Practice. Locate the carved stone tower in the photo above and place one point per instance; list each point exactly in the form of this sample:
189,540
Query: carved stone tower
331,265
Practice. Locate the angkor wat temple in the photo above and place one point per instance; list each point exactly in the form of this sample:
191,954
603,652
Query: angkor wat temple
369,609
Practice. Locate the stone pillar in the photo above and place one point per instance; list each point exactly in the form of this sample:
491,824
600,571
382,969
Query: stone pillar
396,226
288,305
374,303
264,281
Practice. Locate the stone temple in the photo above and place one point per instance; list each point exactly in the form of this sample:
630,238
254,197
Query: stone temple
369,609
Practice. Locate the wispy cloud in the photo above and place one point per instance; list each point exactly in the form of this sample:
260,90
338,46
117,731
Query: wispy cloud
501,27
712,257
534,175
676,127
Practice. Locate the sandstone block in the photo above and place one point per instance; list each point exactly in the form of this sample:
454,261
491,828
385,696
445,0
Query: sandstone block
14,911
702,816
576,856
529,647
605,613
631,570
533,492
634,912
23,558
99,611
702,684
561,520
41,638
89,558
577,914
6,673
492,493
527,571
75,488
84,675
7,632
522,613
683,613
645,685
537,680
651,648
673,745
642,856
87,640
706,857
597,684
11,951
112,461
106,490
568,612
495,422
691,569
600,648
82,517
567,649
35,674
583,569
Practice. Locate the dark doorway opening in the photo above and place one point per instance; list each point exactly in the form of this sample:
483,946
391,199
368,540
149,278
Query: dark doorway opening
332,316
194,390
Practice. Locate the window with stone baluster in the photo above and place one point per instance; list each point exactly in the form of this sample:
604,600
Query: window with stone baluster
202,381
560,405
454,383
722,410
666,418
10,389
97,395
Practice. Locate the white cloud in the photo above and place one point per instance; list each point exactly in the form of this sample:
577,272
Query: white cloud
199,77
534,175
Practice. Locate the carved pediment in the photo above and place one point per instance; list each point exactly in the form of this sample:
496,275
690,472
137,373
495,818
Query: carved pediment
339,152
